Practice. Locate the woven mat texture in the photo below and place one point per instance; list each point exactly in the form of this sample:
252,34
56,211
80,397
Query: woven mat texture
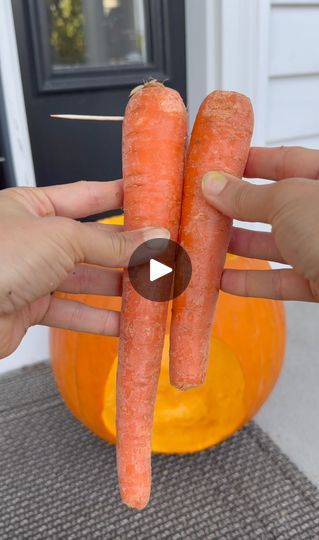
58,481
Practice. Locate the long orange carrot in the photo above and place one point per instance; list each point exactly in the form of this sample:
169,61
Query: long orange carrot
220,142
154,141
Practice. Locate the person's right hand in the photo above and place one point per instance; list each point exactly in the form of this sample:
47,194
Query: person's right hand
290,205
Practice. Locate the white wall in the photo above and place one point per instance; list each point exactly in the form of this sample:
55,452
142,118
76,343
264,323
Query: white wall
34,348
266,49
227,49
293,74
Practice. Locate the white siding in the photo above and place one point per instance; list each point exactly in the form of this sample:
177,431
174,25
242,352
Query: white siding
294,39
293,105
293,74
266,49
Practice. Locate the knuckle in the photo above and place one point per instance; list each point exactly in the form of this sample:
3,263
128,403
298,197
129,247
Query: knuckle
19,192
72,227
33,199
71,230
8,304
84,278
282,197
92,197
119,245
240,199
283,161
251,241
277,285
105,323
64,235
288,159
17,196
64,226
77,316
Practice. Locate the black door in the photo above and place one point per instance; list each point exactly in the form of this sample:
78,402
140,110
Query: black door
84,57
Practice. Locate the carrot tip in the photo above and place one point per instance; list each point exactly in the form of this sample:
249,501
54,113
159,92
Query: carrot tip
135,494
187,385
135,503
150,82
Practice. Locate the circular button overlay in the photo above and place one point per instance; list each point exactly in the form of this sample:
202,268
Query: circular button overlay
160,270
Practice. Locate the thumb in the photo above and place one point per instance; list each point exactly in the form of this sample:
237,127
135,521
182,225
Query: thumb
103,247
237,198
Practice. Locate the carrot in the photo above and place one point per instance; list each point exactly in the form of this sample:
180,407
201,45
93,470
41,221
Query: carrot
220,142
154,141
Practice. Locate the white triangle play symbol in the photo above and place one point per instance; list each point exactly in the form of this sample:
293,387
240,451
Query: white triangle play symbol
158,270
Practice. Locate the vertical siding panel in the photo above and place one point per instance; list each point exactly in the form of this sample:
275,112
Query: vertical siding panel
293,76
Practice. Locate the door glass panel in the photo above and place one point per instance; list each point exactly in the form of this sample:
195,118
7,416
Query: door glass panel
93,33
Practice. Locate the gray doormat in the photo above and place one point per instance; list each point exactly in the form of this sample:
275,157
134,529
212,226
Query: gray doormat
58,481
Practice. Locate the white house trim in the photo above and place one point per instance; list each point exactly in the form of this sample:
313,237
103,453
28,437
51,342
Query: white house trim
203,51
227,47
14,99
245,54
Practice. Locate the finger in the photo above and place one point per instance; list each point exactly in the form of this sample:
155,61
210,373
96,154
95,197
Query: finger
88,279
239,199
84,198
115,249
254,244
282,162
282,284
80,317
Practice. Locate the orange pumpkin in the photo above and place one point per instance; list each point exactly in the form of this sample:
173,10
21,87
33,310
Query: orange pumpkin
247,349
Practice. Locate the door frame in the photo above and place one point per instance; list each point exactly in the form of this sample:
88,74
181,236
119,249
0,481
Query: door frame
15,112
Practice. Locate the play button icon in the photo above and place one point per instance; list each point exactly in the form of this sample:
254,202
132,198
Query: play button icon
160,270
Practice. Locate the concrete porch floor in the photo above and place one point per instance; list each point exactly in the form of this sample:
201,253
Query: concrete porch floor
291,415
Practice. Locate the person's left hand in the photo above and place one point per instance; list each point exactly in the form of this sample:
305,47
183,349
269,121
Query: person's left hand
44,249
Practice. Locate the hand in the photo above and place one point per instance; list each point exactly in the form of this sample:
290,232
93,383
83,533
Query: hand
290,205
43,250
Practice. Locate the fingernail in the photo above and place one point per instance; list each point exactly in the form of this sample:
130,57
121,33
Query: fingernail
214,183
152,233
